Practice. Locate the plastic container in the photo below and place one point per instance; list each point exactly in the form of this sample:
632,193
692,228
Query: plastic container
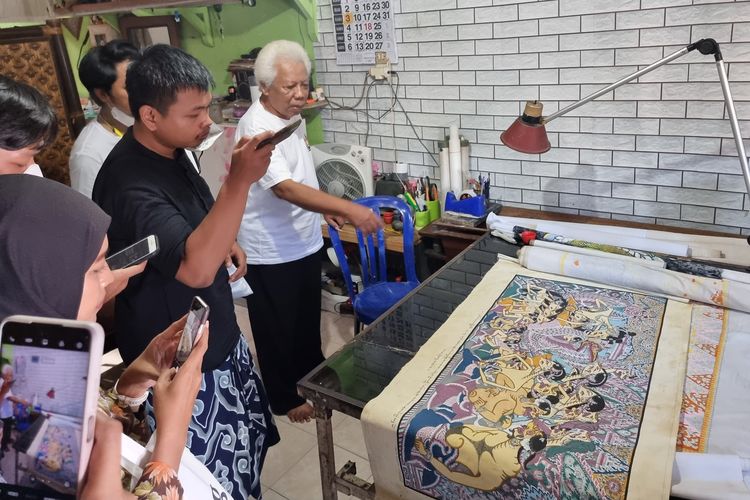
421,219
433,208
473,206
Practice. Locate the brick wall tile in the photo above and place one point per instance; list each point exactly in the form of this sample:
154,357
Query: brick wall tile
474,31
699,180
569,7
658,177
460,16
655,209
536,10
560,185
698,214
635,159
596,203
598,22
544,169
634,192
640,19
595,157
496,14
509,29
596,188
560,25
597,173
703,145
701,197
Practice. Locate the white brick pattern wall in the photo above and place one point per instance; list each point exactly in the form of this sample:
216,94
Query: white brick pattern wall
658,150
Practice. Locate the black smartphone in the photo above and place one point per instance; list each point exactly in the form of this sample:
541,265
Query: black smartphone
135,253
279,136
55,366
197,317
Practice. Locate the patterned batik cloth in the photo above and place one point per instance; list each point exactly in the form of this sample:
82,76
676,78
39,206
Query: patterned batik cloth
707,337
232,427
553,389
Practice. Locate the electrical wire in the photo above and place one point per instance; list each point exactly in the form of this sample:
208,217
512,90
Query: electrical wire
365,95
413,128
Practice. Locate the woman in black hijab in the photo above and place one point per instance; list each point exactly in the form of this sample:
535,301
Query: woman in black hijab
52,249
53,242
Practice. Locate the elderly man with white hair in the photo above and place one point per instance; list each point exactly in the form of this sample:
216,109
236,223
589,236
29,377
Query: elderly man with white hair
280,233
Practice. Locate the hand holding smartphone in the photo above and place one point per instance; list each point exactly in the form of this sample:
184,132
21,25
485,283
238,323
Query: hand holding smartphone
55,366
135,253
279,136
197,317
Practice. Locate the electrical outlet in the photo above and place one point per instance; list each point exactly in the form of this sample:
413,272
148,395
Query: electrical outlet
382,68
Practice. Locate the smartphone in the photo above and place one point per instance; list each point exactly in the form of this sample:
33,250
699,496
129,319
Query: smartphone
197,317
135,253
55,366
279,136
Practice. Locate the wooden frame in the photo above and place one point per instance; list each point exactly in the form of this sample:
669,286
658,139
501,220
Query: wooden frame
130,26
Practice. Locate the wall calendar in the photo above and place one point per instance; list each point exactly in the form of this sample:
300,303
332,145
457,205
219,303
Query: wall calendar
361,28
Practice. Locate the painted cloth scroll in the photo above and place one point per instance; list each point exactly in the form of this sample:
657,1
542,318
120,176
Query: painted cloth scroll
536,387
713,442
724,293
684,265
726,250
707,338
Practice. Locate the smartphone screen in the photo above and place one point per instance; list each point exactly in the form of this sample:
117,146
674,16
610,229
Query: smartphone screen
197,316
134,254
45,370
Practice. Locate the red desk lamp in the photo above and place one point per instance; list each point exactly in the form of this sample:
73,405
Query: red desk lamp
528,135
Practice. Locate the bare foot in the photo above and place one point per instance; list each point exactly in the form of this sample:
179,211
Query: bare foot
301,414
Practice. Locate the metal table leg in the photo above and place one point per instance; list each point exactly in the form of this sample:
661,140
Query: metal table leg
325,452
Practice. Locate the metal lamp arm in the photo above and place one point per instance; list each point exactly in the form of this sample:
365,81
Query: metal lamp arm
704,46
618,83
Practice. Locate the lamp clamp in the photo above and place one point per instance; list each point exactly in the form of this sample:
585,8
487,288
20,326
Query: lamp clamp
706,46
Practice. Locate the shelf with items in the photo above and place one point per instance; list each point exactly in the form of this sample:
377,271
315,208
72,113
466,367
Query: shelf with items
68,9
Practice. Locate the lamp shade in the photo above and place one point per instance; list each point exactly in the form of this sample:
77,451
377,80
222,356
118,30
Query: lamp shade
527,134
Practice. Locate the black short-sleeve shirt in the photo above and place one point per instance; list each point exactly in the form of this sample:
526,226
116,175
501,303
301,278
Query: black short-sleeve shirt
146,193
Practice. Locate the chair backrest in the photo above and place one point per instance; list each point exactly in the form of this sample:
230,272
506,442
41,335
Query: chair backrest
373,264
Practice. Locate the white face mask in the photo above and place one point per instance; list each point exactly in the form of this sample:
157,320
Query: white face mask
214,133
122,117
34,170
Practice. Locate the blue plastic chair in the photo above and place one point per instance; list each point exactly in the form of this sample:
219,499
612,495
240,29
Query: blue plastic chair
378,294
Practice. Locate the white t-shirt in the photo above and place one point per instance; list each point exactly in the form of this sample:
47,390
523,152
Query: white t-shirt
6,405
34,170
89,152
274,231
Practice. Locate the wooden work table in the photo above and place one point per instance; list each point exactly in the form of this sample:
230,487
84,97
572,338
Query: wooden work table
394,240
455,238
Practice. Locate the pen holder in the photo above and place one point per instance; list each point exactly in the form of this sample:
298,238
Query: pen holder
473,206
421,219
433,208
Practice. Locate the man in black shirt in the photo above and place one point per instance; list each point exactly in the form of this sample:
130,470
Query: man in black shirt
148,185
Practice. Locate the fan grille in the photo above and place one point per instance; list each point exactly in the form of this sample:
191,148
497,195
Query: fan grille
341,179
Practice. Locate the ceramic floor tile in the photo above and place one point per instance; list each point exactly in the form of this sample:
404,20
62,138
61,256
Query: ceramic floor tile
348,435
302,482
270,494
295,443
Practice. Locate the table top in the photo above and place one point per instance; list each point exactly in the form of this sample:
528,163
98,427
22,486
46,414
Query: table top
358,372
362,368
394,240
